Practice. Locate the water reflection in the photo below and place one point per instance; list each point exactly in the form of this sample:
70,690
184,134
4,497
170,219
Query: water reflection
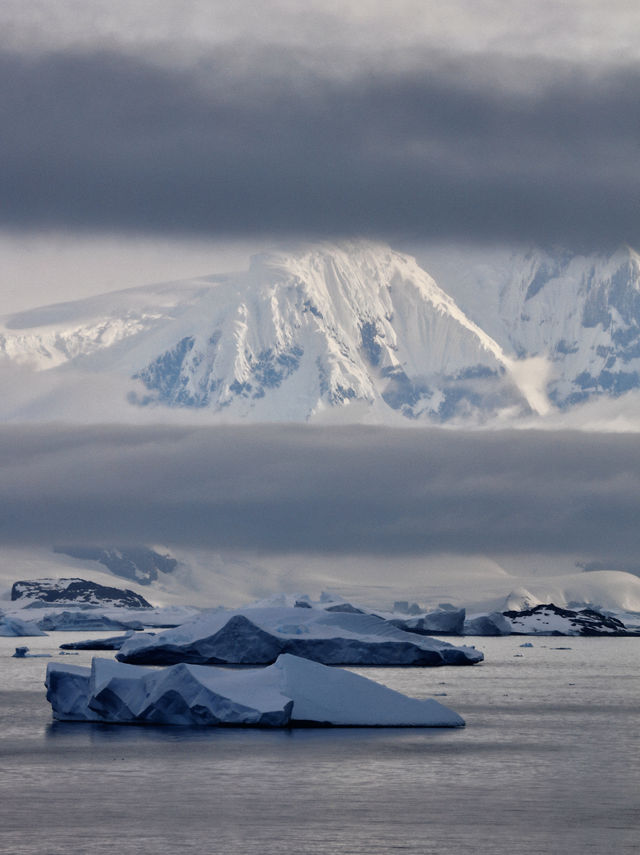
548,763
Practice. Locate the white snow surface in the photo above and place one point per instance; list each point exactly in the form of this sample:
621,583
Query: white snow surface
352,331
11,626
258,635
289,691
548,620
353,326
562,315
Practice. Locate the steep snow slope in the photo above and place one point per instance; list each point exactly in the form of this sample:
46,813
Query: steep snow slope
298,335
578,315
353,331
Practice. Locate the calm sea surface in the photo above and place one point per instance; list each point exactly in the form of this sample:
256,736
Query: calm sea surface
549,763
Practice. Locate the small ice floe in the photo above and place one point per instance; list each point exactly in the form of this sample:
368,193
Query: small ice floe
114,642
23,653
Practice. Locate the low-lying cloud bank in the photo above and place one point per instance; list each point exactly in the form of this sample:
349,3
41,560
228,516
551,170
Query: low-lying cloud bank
323,491
269,142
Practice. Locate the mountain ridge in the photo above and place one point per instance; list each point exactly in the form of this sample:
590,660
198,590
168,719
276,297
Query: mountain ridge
355,328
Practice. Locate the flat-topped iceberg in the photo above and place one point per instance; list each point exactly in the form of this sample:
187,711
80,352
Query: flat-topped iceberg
85,619
114,642
291,691
257,636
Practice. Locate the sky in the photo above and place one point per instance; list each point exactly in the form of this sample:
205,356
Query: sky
147,141
156,140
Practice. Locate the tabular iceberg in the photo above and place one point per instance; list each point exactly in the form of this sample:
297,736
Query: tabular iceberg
291,691
257,636
86,620
114,642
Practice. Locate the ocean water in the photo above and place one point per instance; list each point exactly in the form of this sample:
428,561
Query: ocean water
549,762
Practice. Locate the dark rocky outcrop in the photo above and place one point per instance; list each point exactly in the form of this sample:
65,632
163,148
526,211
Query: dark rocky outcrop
76,592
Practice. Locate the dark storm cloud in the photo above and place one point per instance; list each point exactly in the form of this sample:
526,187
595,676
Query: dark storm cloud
343,490
266,144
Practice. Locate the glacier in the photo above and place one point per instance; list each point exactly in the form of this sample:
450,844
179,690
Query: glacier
289,692
258,635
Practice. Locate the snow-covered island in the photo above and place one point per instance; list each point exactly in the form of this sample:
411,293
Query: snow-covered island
289,692
548,619
258,635
41,593
37,606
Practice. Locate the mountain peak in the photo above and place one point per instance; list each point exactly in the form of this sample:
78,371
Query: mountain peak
355,330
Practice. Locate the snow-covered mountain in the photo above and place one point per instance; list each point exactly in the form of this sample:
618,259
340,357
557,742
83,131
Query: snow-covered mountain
353,331
579,315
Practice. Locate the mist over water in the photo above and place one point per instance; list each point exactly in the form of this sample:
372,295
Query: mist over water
548,763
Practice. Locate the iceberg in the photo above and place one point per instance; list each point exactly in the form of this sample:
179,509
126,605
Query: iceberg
494,623
14,627
257,636
289,692
114,642
439,622
85,620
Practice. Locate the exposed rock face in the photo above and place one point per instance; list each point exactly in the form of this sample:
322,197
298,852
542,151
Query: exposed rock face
290,691
548,619
259,635
76,592
354,326
578,313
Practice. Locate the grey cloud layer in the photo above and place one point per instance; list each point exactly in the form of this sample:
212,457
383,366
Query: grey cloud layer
351,490
243,145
